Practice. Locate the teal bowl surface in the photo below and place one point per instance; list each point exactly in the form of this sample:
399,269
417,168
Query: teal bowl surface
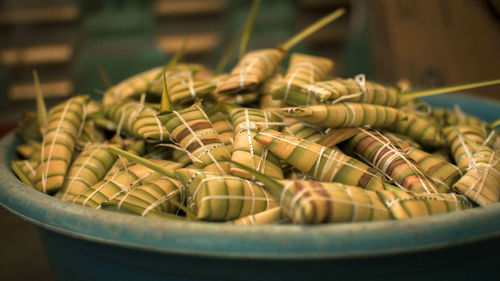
88,244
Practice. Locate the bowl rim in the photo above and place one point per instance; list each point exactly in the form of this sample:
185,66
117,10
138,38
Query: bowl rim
220,240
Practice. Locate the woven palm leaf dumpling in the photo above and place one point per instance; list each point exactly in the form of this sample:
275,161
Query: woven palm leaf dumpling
260,145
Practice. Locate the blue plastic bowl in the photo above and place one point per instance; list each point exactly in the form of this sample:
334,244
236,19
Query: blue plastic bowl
87,244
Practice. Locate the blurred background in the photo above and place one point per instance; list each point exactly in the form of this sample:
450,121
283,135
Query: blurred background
431,43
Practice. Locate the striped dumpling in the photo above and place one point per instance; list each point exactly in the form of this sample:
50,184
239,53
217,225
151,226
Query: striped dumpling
148,126
132,86
304,131
65,122
266,100
222,124
122,181
421,129
217,197
378,150
28,167
246,123
345,115
443,173
481,182
192,130
252,70
271,216
149,81
89,167
458,139
455,117
154,195
405,205
138,120
320,162
303,70
313,202
183,88
354,90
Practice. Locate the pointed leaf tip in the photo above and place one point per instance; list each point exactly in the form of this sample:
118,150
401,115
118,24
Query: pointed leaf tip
447,89
21,174
165,106
494,124
312,29
177,56
40,103
248,29
104,77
